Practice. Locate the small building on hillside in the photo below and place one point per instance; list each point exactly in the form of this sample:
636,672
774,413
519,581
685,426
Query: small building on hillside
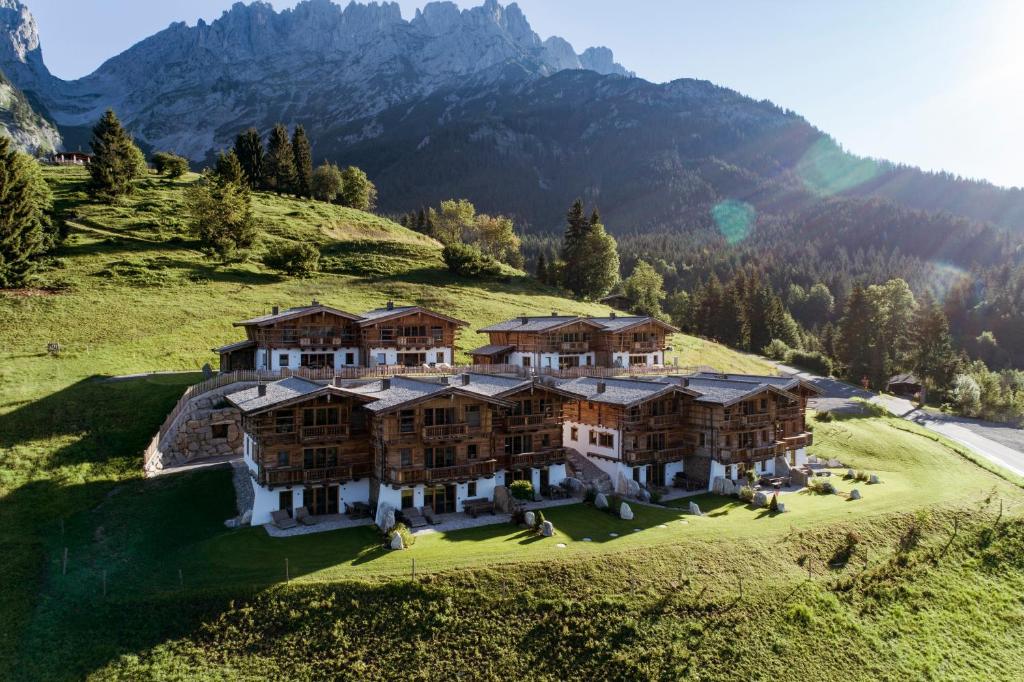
71,159
904,384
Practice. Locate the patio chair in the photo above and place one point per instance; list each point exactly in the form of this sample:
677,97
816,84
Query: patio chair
414,517
303,516
281,519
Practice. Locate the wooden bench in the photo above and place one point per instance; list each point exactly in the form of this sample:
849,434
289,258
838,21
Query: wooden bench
477,506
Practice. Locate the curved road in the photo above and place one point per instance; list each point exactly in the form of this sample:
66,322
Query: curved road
998,443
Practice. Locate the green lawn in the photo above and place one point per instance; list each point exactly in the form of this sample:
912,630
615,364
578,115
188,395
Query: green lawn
130,292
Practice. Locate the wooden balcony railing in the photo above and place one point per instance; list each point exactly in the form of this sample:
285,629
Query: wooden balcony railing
307,337
657,456
520,421
409,476
801,440
749,421
325,432
272,476
449,431
747,454
574,346
534,459
663,420
788,413
408,341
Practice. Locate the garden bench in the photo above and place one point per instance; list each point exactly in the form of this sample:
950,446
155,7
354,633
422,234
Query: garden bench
477,506
282,520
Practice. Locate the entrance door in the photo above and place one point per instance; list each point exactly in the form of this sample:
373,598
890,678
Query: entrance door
544,479
659,474
284,501
322,501
440,498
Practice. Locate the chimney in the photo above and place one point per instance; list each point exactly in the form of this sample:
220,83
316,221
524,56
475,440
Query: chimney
385,384
554,313
315,303
611,315
601,387
465,379
275,310
524,319
391,305
261,389
684,382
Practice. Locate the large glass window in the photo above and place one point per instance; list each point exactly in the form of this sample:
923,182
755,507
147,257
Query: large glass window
515,445
407,421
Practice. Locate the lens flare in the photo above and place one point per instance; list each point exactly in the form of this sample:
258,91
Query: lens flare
826,169
942,277
735,219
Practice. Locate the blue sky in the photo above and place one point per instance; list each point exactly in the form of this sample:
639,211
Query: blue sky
933,83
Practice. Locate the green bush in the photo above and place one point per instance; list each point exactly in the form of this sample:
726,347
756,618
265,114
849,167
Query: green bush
408,539
292,258
538,520
800,614
825,416
172,165
812,361
821,486
468,261
746,493
521,490
773,506
777,350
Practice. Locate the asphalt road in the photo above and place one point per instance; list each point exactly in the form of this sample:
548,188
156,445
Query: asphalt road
998,443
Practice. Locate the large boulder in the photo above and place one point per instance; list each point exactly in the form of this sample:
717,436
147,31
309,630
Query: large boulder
547,529
627,486
798,477
625,513
246,517
385,517
760,499
530,518
695,509
502,500
601,502
575,485
397,542
874,479
781,507
854,494
644,495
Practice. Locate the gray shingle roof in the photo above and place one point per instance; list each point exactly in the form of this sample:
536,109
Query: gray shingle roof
782,382
489,384
278,392
386,312
294,312
400,391
544,323
619,322
491,349
617,391
237,345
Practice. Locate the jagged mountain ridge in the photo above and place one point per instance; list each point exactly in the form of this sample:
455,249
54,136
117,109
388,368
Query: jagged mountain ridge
189,88
20,122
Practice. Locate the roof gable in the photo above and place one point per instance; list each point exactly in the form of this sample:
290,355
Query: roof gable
385,314
293,313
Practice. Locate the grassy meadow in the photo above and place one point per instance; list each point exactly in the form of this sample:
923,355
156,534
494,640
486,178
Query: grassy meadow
737,593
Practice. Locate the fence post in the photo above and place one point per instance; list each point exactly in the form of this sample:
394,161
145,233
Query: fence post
414,569
104,582
181,580
287,572
64,570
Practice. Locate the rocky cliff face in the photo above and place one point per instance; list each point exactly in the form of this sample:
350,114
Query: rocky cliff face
191,88
19,122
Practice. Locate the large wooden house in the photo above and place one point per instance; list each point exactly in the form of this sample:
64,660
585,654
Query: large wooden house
560,341
398,441
321,337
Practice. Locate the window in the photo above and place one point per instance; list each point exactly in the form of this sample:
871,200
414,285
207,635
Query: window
637,360
574,433
219,430
545,440
471,489
350,358
438,416
406,421
728,471
473,415
382,358
387,333
282,360
284,422
437,334
764,404
593,437
702,439
318,458
282,458
656,441
407,498
406,455
526,361
471,451
320,416
516,445
439,457
606,440
317,360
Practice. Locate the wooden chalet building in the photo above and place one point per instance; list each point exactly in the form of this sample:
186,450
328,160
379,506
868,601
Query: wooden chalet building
697,428
321,337
398,441
560,341
71,159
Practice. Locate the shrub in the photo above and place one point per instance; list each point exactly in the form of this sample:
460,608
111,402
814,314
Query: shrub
589,495
521,490
468,261
298,259
777,350
172,165
751,476
538,520
655,496
614,502
812,361
408,539
746,493
821,486
861,476
825,416
773,506
800,614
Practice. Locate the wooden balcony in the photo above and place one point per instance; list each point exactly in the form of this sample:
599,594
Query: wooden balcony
643,346
746,422
573,346
328,336
539,459
759,452
273,476
800,440
665,420
449,432
789,413
410,476
333,432
409,342
524,421
656,456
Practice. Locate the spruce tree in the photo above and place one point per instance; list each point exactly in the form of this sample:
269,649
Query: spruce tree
26,232
229,169
576,229
250,153
855,338
542,268
934,357
279,163
303,162
116,160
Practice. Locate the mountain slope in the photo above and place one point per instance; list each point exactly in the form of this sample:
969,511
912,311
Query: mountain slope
18,121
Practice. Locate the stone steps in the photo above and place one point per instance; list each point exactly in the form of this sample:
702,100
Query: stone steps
588,472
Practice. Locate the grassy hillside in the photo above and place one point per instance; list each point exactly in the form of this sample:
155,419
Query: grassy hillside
130,292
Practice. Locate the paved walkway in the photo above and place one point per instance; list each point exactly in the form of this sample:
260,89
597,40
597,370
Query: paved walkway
458,521
324,524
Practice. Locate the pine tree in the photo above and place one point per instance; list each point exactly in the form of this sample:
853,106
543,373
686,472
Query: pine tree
576,229
116,160
250,153
855,340
220,215
933,354
303,162
279,163
542,268
26,232
421,221
229,169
